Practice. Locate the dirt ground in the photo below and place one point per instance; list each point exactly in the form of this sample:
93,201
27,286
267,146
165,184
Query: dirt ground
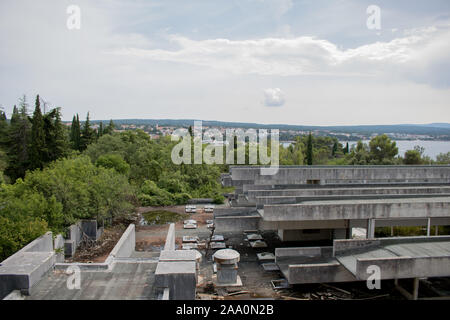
98,251
153,237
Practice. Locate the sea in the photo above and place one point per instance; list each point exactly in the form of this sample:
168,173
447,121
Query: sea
432,148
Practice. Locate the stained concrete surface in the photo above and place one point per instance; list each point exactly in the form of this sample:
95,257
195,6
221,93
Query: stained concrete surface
126,281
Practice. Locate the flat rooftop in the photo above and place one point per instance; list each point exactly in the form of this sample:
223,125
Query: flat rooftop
410,250
126,281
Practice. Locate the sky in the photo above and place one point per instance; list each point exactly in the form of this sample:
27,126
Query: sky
309,62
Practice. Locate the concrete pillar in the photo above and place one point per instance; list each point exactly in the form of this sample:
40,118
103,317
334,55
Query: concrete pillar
415,294
392,231
428,227
436,230
370,228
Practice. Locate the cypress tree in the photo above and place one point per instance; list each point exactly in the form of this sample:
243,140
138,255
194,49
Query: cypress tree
346,149
309,150
78,133
335,149
100,130
3,129
55,136
38,147
75,133
18,141
110,128
87,135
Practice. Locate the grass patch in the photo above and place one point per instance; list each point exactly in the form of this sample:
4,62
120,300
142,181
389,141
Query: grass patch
160,217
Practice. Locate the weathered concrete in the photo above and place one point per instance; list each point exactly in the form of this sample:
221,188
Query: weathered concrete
170,239
126,244
125,281
25,268
304,194
261,201
310,265
58,245
234,211
227,266
359,209
239,223
179,277
305,234
327,174
411,257
75,234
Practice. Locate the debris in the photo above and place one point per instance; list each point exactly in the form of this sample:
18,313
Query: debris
237,293
258,244
336,288
292,298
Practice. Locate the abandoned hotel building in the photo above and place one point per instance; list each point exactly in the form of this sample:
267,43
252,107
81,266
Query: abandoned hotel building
302,205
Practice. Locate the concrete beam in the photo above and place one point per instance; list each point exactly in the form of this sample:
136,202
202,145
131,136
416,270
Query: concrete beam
299,174
359,209
170,239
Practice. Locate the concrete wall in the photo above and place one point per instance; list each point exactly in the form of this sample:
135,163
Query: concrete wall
359,209
75,234
305,234
318,273
236,223
283,254
373,190
179,277
261,201
315,271
299,174
126,244
170,239
58,245
234,211
305,224
27,266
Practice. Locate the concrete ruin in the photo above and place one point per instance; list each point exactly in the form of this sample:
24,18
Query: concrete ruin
324,203
176,272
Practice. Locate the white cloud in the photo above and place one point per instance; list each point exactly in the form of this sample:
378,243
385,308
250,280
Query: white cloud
273,97
409,55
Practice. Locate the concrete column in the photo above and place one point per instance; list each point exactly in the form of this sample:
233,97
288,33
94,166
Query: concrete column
436,230
392,231
428,227
415,294
370,228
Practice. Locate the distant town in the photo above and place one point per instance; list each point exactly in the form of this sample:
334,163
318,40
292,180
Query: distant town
163,127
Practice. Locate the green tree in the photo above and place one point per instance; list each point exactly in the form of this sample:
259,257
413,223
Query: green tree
55,136
346,149
443,158
412,157
382,150
335,149
360,154
113,161
38,147
100,130
75,133
18,141
110,128
309,150
87,134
